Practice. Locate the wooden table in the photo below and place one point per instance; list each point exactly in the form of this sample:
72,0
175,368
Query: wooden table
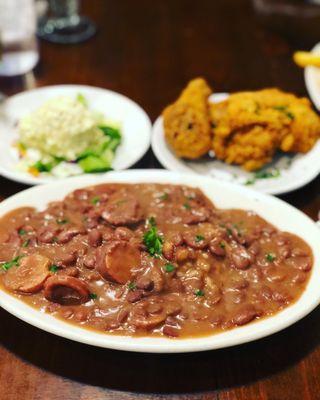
148,50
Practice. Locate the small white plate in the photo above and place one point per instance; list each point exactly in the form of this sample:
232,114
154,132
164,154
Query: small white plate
312,79
135,125
223,195
295,170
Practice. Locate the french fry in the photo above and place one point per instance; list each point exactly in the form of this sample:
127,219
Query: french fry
306,59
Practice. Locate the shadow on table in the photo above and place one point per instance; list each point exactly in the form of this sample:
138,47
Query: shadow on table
148,373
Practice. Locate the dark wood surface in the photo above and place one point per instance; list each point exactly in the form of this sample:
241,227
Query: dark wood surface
148,50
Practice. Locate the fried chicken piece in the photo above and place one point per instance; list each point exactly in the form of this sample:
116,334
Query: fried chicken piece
187,121
249,127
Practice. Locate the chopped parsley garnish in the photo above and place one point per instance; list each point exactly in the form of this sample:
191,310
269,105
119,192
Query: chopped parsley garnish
164,196
285,110
43,167
263,174
14,262
22,232
95,200
270,257
222,245
152,239
199,238
131,285
54,268
62,221
229,231
26,243
199,293
187,206
169,267
93,296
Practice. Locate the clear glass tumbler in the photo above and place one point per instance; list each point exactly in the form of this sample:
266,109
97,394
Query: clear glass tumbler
63,24
18,44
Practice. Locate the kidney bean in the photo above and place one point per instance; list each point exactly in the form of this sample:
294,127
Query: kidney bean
297,252
67,259
182,254
265,293
123,315
81,315
80,194
89,261
134,295
238,283
281,297
217,247
65,236
195,240
168,250
69,271
67,313
46,235
123,233
241,258
144,283
254,248
140,319
124,211
284,252
173,308
299,277
244,315
154,308
95,238
301,263
171,331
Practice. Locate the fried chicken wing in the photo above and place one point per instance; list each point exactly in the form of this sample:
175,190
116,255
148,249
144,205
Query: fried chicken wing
187,122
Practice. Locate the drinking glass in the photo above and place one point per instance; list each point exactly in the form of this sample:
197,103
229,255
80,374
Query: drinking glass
63,24
18,44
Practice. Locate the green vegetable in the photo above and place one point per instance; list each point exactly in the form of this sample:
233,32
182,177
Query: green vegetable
113,133
229,232
54,268
14,262
199,238
187,206
81,99
22,232
43,167
222,245
94,164
26,243
169,267
62,221
270,257
285,110
152,239
275,173
95,200
164,196
131,286
93,296
199,293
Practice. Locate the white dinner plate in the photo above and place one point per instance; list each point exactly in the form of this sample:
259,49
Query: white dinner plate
224,195
312,79
294,171
135,125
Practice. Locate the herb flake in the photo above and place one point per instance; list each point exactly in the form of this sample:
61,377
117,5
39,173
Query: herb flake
199,293
270,257
169,267
199,238
54,268
152,240
13,263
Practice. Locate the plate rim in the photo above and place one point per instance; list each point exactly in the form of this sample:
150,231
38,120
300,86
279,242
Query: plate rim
29,180
50,324
158,136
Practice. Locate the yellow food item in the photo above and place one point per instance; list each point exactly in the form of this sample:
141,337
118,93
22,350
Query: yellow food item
306,58
249,127
187,121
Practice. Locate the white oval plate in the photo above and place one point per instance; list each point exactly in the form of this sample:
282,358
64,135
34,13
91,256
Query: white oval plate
312,80
135,125
224,195
295,171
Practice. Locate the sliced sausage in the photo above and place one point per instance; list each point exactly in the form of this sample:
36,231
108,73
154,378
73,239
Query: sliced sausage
245,315
66,290
122,212
241,258
117,260
29,276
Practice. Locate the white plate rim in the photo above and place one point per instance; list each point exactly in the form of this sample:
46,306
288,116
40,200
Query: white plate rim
29,180
244,334
168,160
